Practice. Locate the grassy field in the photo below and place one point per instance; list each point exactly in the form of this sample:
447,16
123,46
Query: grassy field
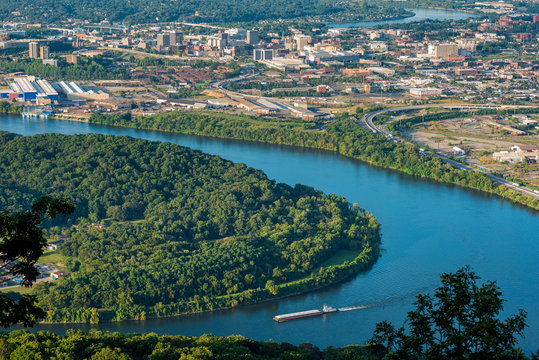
19,290
338,259
51,257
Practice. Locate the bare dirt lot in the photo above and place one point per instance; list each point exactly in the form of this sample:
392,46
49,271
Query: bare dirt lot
480,138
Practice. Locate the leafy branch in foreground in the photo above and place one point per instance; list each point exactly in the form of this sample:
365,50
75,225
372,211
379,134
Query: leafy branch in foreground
21,244
460,321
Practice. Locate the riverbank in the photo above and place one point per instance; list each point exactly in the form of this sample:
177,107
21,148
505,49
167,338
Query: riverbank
420,14
345,137
321,279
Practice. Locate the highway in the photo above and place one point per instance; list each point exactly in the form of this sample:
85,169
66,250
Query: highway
247,72
367,122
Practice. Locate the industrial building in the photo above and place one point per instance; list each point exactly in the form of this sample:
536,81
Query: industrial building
75,92
29,89
425,92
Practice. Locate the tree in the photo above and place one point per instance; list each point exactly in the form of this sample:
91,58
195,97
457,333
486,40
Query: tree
110,354
460,321
21,244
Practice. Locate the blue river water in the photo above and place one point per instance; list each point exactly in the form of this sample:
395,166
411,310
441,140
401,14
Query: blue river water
421,14
427,229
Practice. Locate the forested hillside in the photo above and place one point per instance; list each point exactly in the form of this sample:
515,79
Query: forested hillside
186,231
147,11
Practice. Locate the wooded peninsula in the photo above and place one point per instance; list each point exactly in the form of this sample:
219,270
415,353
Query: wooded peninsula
160,229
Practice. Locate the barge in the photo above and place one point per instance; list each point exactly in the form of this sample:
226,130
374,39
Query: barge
304,314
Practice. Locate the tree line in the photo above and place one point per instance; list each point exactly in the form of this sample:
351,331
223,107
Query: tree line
86,69
344,136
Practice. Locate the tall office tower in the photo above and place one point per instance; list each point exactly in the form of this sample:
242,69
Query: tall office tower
301,42
176,37
262,54
224,37
44,52
163,40
173,37
252,37
34,54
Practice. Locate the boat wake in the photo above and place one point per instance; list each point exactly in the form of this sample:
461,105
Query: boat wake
358,307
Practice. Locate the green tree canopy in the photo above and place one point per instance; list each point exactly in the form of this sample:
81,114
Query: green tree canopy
460,321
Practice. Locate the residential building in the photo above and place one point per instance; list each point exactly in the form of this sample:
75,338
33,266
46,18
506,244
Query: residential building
44,52
33,50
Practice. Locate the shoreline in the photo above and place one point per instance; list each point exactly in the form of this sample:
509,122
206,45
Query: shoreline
365,267
189,133
514,201
387,21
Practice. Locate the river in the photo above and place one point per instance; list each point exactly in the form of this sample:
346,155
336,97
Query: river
420,14
427,229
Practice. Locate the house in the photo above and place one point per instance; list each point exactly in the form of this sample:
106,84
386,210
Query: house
55,275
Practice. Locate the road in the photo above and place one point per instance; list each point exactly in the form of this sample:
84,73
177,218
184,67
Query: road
248,72
367,121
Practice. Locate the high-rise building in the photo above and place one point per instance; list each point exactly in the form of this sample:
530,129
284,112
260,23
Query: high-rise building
444,50
44,52
33,51
301,42
252,37
163,40
176,37
224,37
